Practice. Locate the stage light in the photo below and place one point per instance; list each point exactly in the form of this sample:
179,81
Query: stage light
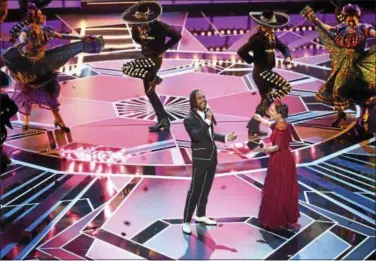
202,33
223,48
309,28
303,28
209,33
228,31
218,49
241,31
297,29
222,31
235,32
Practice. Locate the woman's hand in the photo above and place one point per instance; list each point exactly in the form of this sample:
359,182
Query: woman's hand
270,149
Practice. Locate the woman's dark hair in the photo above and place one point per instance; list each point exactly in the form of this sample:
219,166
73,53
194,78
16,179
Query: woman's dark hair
192,99
351,10
281,108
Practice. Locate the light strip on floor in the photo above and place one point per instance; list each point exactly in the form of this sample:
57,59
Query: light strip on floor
107,29
41,218
26,250
337,179
10,213
116,37
48,178
111,3
349,172
2,197
117,46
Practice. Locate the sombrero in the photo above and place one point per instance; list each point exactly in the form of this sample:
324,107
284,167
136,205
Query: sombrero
38,3
5,80
142,12
270,18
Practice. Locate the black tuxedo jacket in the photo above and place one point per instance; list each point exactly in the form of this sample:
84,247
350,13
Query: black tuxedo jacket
263,51
154,43
203,146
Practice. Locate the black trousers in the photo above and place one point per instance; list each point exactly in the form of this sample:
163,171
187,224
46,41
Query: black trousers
270,85
146,68
202,179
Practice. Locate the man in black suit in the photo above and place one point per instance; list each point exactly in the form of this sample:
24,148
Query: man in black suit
199,125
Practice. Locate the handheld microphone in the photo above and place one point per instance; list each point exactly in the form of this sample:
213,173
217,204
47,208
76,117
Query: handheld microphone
261,145
213,119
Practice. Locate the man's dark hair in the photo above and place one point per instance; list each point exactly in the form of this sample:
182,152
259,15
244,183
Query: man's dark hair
193,100
193,103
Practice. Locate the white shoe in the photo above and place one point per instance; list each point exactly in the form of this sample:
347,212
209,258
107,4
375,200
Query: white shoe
206,221
187,228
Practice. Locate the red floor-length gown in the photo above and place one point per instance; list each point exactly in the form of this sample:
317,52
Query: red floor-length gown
280,194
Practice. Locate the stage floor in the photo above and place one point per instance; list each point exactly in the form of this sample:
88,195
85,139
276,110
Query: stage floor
110,189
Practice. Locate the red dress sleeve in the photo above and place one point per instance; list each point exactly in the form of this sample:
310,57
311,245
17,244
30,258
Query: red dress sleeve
282,136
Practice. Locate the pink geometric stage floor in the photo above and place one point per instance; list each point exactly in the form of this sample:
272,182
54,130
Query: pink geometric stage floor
110,189
111,112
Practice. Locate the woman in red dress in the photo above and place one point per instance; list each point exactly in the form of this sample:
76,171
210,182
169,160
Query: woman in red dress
280,196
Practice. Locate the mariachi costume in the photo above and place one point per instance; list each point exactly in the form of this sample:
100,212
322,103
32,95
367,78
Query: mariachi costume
352,79
151,34
270,84
36,75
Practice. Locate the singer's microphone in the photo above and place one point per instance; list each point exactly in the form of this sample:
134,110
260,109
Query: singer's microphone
213,119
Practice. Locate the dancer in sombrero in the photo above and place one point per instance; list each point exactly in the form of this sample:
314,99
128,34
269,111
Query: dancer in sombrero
352,79
151,34
263,43
35,69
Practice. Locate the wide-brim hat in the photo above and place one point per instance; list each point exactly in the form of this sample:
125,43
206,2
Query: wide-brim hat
278,19
5,80
133,15
40,3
